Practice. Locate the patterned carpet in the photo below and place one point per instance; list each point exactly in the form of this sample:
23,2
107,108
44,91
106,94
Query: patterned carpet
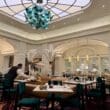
88,106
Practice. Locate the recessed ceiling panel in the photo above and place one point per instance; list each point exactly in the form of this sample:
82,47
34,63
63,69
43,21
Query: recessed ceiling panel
2,3
17,8
7,11
62,7
82,3
73,9
66,2
58,8
20,15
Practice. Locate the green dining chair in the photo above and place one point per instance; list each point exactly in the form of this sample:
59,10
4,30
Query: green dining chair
22,101
98,94
1,87
75,100
9,91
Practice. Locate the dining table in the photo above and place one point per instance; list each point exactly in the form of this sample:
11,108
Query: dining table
84,82
54,89
87,84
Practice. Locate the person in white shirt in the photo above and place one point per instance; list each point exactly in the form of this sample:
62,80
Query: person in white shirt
15,71
20,73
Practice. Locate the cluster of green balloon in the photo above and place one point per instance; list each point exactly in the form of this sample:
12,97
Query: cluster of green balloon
38,17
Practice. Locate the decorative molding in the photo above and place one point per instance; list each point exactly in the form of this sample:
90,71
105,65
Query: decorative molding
80,34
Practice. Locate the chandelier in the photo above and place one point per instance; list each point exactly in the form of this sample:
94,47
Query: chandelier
37,16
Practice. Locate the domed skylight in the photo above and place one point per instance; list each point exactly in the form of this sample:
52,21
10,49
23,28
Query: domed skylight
59,8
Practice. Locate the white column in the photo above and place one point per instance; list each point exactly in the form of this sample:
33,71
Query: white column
59,65
99,65
20,53
109,57
19,57
1,62
46,69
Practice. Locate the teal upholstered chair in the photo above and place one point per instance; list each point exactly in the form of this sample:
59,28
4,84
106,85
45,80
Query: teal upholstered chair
9,91
99,91
98,94
1,87
34,103
74,101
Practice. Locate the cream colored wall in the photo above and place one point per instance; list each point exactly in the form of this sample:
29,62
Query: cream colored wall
11,47
92,51
21,48
102,48
1,62
93,24
59,65
87,49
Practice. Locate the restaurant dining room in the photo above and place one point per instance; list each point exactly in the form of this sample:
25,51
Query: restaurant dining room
54,55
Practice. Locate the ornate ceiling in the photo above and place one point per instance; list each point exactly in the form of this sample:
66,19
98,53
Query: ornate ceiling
96,17
58,8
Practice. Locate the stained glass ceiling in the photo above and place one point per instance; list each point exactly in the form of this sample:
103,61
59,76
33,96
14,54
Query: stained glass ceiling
59,8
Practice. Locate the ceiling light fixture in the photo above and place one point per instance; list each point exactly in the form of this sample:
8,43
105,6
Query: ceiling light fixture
37,16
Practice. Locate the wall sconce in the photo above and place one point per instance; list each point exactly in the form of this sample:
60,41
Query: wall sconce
87,57
77,58
69,59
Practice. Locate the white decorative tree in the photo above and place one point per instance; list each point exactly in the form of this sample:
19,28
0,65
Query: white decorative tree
50,53
34,59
